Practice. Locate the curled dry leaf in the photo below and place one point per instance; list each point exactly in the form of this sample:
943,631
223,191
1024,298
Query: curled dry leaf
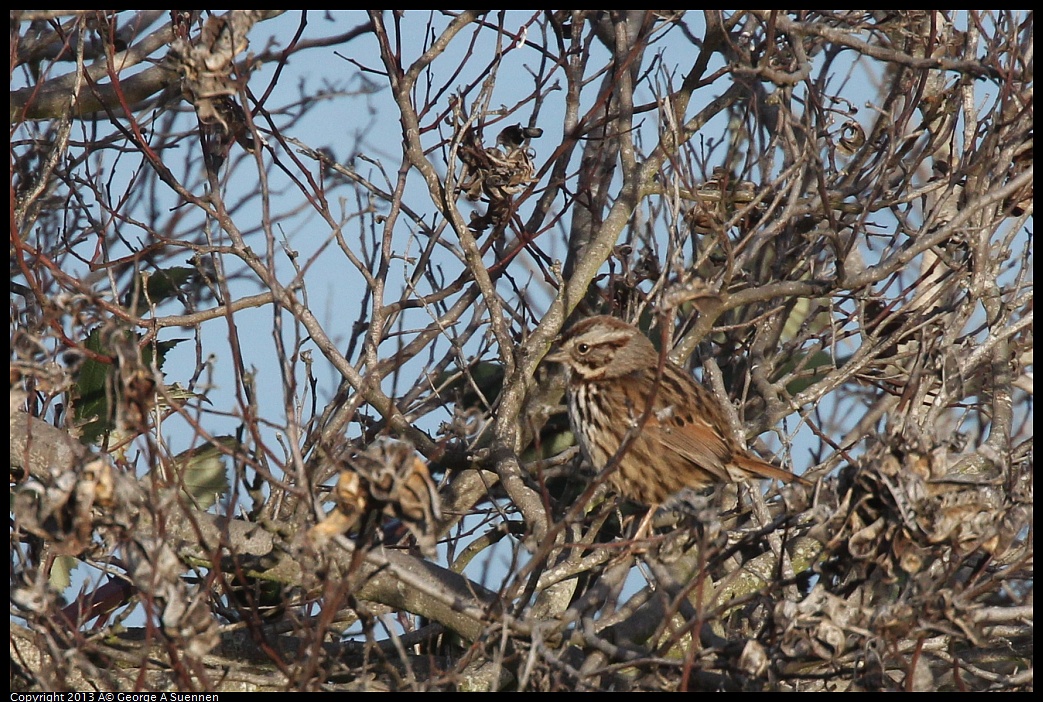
387,478
62,512
497,173
208,83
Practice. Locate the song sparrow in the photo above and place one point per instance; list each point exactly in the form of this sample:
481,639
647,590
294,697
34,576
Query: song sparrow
676,432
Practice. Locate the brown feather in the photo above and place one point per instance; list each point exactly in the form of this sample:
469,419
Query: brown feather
676,431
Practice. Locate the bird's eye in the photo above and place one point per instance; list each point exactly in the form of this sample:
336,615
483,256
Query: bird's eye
583,348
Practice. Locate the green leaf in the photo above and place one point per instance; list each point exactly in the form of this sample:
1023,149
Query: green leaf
818,366
60,576
161,285
96,385
201,471
93,413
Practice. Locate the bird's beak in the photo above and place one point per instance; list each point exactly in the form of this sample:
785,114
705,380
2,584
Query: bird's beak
556,355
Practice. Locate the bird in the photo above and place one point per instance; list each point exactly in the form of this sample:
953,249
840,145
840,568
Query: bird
672,430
